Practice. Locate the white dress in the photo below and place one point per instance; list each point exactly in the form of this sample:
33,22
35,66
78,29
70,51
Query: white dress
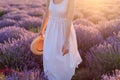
56,66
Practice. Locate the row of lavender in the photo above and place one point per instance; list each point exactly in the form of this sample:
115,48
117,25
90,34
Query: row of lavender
17,21
98,40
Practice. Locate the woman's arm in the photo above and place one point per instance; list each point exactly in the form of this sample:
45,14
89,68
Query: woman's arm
70,15
46,17
70,12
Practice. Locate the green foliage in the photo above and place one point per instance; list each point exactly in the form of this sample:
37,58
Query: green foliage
83,74
1,13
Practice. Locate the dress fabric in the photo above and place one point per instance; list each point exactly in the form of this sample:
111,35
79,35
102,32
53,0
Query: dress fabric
56,66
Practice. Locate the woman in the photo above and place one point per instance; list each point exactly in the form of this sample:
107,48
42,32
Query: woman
60,54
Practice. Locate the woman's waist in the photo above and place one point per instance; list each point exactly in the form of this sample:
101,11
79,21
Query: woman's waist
58,18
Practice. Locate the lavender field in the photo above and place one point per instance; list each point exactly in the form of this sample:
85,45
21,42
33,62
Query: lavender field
97,26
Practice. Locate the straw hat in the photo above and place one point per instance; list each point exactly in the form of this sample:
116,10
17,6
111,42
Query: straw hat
37,45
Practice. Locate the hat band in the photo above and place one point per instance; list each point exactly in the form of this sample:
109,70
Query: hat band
40,50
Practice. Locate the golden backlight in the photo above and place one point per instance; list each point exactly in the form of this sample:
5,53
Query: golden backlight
97,7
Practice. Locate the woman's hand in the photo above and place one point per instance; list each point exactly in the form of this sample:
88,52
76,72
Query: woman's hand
65,48
41,33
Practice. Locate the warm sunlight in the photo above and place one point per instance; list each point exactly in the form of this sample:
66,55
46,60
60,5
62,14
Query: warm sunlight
96,9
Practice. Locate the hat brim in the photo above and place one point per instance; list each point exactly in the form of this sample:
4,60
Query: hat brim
37,45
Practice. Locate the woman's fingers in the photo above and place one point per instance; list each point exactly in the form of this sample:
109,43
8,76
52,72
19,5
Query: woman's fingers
41,33
65,51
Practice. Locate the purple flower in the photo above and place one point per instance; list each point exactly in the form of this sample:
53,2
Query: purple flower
87,37
31,22
108,28
83,22
12,32
7,22
36,12
104,57
16,53
16,15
